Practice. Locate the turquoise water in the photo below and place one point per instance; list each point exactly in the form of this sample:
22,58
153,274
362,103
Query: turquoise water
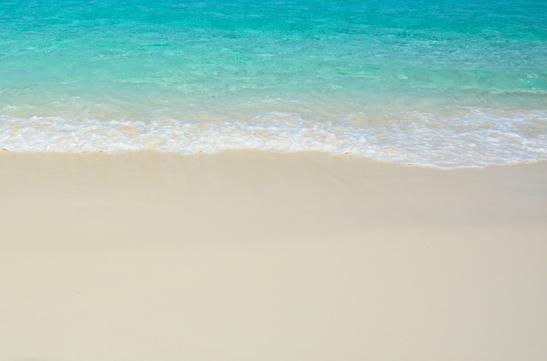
428,82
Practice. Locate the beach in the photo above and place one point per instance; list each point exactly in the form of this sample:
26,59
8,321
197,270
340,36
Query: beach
273,180
251,255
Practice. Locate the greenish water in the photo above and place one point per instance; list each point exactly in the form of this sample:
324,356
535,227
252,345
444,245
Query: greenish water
428,82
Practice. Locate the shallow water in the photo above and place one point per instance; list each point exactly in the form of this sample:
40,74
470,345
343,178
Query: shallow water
426,82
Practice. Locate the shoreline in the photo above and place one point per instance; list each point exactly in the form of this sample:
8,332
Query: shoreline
251,255
357,157
445,142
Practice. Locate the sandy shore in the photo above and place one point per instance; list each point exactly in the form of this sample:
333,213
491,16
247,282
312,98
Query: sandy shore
253,256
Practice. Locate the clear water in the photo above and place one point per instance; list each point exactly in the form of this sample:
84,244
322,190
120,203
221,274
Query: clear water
429,82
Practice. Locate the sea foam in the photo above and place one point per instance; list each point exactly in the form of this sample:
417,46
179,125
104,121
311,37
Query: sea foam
476,138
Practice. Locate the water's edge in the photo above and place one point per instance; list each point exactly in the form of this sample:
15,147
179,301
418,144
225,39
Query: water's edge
475,139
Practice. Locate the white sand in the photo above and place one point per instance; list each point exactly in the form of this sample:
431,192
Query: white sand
253,256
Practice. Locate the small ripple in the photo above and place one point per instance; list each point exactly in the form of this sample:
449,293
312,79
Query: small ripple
475,138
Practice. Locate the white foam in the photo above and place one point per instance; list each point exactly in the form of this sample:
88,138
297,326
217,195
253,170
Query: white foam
476,138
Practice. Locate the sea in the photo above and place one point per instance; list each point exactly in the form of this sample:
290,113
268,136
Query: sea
436,83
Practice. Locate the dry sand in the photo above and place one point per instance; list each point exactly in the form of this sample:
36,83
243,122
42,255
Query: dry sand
254,256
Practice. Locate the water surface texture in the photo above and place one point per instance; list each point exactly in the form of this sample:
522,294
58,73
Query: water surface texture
429,82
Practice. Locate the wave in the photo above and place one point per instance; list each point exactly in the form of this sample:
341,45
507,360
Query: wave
475,138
